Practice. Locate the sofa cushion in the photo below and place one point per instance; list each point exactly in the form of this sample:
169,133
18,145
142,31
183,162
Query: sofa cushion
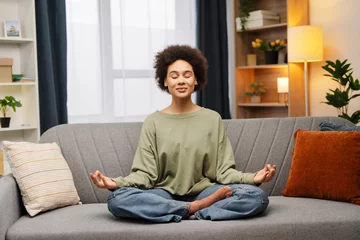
302,218
42,174
325,165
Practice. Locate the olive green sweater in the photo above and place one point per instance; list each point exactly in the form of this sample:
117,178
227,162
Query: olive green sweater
183,154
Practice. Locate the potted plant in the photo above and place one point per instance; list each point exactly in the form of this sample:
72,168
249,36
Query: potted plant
8,101
339,98
271,49
244,13
255,94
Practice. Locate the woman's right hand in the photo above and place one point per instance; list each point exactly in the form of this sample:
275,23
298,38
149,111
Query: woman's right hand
102,181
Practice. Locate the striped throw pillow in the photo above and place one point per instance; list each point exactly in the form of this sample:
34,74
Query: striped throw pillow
42,174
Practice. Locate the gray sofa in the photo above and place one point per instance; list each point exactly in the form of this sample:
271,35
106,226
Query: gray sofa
110,148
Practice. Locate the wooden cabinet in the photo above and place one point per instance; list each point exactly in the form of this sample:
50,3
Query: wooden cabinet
25,123
292,13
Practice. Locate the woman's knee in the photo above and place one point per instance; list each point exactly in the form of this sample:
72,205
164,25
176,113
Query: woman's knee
256,197
118,200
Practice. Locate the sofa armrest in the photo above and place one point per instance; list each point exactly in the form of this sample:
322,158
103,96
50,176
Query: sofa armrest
11,206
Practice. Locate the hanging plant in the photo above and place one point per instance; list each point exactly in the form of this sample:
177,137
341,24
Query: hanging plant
244,13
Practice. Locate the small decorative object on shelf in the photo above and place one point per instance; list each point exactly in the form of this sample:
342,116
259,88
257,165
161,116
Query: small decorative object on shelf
271,49
8,101
255,94
12,29
17,77
251,60
341,96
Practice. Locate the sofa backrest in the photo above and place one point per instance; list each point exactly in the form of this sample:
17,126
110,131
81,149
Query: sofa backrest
110,147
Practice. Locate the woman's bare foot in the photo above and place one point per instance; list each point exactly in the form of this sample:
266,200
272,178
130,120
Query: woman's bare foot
221,193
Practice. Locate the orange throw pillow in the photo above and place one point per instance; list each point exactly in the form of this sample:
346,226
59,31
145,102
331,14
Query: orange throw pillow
325,165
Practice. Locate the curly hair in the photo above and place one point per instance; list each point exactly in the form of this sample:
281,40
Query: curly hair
187,53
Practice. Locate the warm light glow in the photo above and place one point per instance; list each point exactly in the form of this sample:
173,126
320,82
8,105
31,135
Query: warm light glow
305,43
282,85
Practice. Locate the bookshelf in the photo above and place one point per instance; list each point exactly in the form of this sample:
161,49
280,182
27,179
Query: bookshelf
25,123
292,13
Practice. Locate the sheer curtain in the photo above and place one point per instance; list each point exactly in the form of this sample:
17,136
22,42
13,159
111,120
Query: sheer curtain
111,48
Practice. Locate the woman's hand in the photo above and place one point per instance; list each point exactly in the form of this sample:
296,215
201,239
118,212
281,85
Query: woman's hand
102,181
265,174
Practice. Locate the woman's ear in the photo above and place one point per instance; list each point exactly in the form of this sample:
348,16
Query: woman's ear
165,83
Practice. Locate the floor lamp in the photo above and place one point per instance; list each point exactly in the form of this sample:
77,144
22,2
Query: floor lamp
305,44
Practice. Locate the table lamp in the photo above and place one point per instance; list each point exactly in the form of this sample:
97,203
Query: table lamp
283,87
305,44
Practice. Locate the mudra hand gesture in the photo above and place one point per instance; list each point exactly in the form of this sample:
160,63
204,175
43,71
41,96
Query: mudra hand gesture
265,174
102,181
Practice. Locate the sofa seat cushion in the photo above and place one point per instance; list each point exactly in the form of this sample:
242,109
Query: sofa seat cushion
289,218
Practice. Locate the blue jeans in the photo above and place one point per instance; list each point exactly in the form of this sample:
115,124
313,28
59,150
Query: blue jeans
158,205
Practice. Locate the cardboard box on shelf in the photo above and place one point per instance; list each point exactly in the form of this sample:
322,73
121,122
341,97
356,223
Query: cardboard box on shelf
6,70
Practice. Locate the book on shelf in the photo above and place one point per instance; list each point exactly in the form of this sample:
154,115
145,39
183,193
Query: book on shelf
263,17
26,79
258,13
260,23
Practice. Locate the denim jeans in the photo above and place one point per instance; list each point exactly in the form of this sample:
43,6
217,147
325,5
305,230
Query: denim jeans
158,205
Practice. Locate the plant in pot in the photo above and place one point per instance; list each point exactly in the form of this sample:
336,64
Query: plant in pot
244,13
256,92
339,98
6,103
271,49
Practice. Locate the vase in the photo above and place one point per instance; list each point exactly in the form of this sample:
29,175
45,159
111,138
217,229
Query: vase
255,99
5,122
271,57
251,60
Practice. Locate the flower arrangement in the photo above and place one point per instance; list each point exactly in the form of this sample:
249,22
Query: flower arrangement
276,45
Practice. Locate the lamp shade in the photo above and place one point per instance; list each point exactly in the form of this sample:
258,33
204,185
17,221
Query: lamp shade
282,85
305,43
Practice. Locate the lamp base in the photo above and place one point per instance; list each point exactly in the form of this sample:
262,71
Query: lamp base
283,98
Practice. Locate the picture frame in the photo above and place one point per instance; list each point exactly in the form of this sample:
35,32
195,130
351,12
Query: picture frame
12,29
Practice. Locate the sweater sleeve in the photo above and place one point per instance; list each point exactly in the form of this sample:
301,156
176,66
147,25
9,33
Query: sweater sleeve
225,168
144,169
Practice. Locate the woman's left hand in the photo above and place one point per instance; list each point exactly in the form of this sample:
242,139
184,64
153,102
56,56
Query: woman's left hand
265,174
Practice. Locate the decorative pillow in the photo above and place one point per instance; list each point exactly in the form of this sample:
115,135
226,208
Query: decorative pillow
327,126
325,165
42,174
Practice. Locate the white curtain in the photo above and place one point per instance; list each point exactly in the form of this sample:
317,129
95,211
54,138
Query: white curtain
111,48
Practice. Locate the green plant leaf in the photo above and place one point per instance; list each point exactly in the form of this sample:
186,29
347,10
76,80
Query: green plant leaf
354,84
338,99
354,118
354,96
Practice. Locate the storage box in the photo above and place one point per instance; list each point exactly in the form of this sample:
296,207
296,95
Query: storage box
6,70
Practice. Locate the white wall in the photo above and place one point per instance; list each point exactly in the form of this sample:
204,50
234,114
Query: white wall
339,20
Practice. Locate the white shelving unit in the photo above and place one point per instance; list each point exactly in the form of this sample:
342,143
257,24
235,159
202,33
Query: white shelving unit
25,123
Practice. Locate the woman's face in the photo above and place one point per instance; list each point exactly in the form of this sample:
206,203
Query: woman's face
180,79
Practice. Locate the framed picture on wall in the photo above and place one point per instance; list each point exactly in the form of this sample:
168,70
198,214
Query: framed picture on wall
12,29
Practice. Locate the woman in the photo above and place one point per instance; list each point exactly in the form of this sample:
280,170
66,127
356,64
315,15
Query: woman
184,163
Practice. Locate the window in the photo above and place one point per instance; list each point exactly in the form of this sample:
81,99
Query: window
111,48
